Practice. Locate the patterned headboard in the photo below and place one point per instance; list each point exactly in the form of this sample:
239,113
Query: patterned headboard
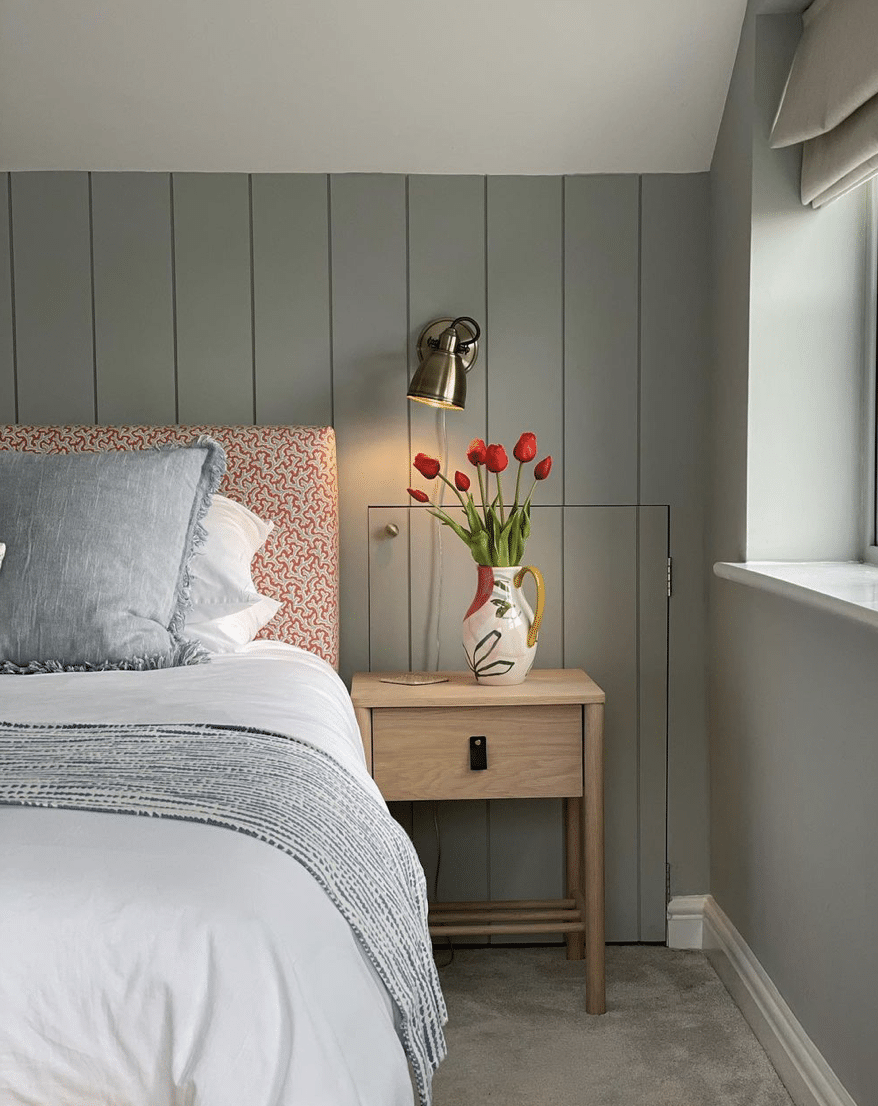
284,473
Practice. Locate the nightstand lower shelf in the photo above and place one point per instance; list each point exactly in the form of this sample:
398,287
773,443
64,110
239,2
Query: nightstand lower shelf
470,919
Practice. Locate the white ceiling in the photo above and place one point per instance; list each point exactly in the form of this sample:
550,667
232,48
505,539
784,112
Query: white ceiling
409,86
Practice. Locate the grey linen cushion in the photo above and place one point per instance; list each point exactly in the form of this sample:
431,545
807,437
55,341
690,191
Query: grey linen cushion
97,552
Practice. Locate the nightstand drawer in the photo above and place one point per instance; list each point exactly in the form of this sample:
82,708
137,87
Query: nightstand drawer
424,752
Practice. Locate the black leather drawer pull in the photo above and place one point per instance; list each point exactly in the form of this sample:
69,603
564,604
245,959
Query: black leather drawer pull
478,753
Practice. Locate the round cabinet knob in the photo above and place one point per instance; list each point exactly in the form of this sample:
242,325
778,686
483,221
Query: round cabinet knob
391,530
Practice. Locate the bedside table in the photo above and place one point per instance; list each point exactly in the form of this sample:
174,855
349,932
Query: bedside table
539,739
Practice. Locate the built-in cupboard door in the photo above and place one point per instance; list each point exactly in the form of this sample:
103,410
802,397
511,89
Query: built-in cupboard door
607,612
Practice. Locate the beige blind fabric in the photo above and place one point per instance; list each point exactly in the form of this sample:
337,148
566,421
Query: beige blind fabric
830,102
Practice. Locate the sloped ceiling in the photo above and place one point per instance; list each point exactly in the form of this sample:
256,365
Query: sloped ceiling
484,86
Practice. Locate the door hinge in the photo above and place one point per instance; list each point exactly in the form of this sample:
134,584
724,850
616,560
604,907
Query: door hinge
670,576
667,884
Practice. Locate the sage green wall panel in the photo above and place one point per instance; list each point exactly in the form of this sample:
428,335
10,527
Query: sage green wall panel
7,342
291,306
600,632
526,852
389,589
53,303
463,832
214,333
369,296
601,318
525,319
133,298
652,679
675,313
446,221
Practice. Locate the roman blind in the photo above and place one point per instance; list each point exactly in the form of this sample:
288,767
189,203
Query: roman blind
830,102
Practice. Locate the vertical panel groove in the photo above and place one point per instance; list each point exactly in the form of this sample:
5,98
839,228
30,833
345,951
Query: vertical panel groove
487,329
91,269
12,296
637,550
563,332
408,331
329,289
252,290
174,298
563,398
637,707
668,712
489,895
639,436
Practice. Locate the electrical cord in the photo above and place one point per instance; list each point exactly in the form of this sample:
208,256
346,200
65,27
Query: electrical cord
450,960
443,438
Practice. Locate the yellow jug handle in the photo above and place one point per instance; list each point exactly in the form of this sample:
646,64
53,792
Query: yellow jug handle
541,600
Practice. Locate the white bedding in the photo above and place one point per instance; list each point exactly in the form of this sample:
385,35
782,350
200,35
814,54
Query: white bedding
149,962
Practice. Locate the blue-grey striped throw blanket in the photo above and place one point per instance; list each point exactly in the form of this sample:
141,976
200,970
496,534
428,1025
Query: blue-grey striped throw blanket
275,788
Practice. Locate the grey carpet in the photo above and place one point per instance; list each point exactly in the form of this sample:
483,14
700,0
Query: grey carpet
518,1033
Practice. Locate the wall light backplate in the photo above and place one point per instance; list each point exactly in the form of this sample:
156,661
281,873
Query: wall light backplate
434,329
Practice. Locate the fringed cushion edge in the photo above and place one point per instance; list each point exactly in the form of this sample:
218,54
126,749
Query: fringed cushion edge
183,653
212,473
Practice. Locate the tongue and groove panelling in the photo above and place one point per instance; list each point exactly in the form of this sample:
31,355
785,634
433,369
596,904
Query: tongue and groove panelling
7,338
131,297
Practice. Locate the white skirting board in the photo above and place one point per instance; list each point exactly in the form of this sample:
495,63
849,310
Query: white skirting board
696,922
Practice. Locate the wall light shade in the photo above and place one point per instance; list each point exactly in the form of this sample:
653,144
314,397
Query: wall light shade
447,349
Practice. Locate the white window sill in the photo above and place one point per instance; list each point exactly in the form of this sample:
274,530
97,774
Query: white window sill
847,588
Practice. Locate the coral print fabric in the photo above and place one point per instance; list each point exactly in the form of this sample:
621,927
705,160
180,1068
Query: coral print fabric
285,474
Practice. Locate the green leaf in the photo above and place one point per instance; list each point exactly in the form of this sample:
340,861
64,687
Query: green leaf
478,547
493,531
503,548
525,526
516,545
472,517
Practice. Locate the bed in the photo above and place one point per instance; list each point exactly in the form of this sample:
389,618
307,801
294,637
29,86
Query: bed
166,959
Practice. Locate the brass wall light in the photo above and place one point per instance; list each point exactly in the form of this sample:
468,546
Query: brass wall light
447,350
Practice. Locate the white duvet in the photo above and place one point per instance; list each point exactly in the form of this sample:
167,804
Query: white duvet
149,962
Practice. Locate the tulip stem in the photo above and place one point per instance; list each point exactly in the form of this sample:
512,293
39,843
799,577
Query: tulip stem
484,497
518,481
500,498
454,488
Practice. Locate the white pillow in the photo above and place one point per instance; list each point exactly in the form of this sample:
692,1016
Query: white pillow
227,611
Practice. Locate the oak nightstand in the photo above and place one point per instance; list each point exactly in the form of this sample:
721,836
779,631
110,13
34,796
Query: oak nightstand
539,739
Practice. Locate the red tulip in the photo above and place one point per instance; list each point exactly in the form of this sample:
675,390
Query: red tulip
495,458
477,452
543,468
461,481
525,448
426,466
421,497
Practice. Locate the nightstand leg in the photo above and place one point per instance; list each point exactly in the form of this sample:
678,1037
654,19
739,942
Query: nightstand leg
593,831
573,839
364,719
